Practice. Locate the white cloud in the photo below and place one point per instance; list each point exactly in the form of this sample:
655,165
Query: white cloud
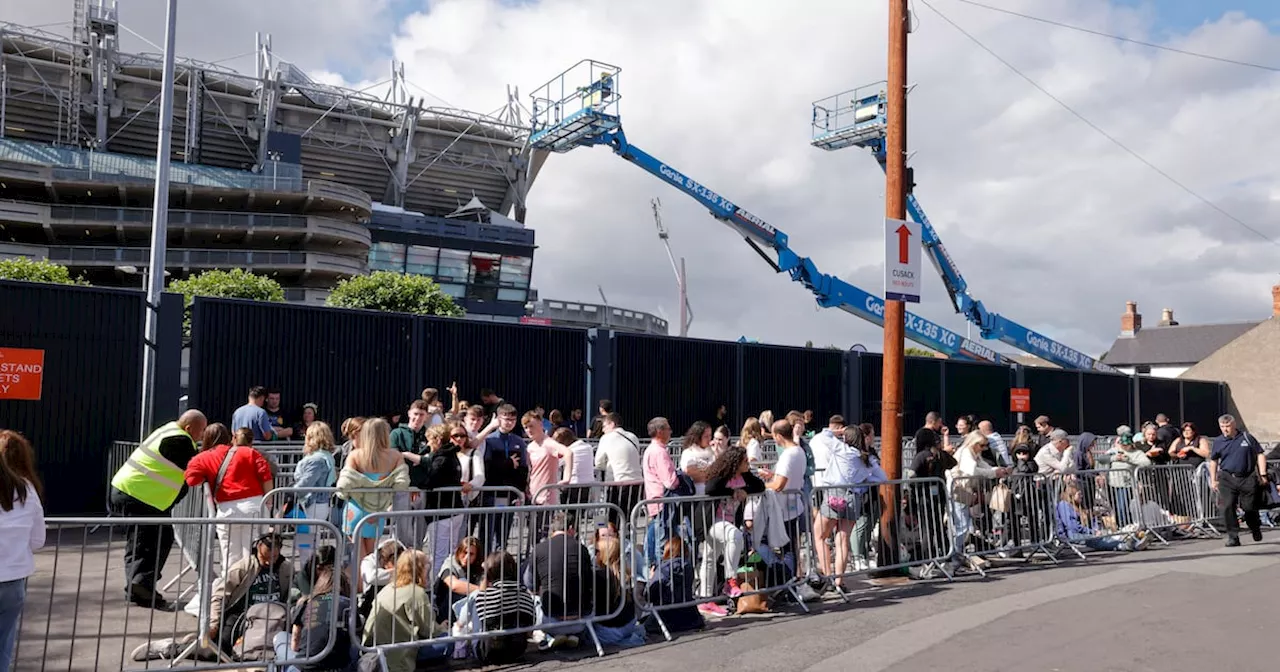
1052,224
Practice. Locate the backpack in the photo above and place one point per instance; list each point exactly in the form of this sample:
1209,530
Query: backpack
258,627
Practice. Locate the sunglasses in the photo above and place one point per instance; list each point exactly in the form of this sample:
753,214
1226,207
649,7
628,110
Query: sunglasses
458,436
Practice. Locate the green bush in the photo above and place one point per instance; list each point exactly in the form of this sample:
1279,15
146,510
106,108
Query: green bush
234,284
396,293
37,270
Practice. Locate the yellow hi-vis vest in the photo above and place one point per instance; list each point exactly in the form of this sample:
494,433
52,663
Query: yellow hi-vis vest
147,476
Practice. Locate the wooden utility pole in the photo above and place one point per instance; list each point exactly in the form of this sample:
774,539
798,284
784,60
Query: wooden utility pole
895,202
895,205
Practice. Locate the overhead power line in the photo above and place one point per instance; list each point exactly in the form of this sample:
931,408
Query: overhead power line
1175,181
1121,38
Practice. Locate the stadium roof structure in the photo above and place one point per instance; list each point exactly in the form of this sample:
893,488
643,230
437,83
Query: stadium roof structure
82,91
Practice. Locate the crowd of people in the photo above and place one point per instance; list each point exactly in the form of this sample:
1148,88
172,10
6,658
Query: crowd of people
785,513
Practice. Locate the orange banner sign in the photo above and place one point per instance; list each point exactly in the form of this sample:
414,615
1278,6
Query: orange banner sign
21,373
1020,400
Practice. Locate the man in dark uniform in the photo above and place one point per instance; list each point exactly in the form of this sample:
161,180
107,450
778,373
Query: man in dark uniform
1166,433
1237,471
149,484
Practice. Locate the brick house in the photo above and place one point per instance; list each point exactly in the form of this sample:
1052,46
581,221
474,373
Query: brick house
1250,365
1169,349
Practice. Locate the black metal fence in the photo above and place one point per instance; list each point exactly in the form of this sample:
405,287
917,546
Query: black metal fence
91,384
369,363
356,362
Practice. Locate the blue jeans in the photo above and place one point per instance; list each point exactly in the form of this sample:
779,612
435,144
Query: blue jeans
1098,544
652,549
629,635
12,595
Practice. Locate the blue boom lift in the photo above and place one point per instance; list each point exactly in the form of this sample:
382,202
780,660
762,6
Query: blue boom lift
856,118
579,107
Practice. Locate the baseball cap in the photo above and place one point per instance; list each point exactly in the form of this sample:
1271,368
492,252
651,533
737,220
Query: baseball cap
1125,434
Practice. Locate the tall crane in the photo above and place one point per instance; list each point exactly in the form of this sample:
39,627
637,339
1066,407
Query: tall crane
579,108
856,118
686,311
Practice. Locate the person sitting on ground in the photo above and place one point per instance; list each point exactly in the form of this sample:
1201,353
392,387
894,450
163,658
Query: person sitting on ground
402,613
561,577
376,570
672,583
263,576
1075,525
460,576
501,604
610,593
313,617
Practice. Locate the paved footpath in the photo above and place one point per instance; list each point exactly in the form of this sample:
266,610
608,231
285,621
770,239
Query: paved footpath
1192,606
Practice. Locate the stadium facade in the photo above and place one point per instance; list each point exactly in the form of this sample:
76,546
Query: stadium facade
271,171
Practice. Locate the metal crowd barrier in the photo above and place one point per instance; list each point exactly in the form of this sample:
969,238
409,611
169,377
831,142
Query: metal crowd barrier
490,569
77,615
1009,517
850,542
1172,498
690,552
687,535
622,494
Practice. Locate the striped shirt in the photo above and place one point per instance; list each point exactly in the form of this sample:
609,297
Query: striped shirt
505,605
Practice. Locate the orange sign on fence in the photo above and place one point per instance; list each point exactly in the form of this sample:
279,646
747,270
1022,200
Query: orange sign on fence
21,373
1020,399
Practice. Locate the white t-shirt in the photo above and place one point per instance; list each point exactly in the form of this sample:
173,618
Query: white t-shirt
584,458
754,452
697,457
791,465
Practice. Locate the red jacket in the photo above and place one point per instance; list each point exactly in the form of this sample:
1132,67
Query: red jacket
246,476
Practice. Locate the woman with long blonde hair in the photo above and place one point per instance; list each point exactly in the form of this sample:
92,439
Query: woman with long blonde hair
752,439
316,469
402,612
372,465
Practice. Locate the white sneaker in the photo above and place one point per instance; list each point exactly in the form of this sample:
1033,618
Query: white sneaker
861,565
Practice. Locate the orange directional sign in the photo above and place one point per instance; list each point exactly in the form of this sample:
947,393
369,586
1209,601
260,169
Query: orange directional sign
1020,400
21,373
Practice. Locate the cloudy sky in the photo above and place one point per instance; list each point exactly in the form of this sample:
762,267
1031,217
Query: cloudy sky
1052,224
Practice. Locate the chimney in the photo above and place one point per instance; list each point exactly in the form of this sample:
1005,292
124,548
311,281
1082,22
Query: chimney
1131,321
1166,318
1275,301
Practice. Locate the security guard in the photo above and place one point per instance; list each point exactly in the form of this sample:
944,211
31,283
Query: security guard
149,484
1238,472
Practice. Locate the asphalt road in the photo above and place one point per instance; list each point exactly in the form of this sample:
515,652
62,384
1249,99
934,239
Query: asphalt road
1191,606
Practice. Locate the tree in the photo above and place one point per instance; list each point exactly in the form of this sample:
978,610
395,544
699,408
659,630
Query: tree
920,352
395,293
234,284
37,270
808,344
